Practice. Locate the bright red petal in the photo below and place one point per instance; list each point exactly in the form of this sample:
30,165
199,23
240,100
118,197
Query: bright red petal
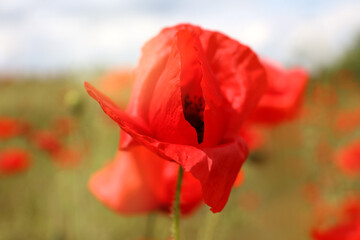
138,181
200,91
223,164
152,63
166,112
128,184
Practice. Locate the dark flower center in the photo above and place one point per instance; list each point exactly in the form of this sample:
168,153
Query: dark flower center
194,113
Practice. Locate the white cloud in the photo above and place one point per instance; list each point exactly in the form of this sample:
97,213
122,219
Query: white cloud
320,40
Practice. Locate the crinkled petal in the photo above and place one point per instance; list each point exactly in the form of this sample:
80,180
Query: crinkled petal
200,88
238,72
222,166
166,112
139,181
154,58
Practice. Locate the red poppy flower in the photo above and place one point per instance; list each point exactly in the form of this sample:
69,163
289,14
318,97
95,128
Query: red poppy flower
284,95
347,227
11,127
348,159
14,160
47,141
139,181
193,89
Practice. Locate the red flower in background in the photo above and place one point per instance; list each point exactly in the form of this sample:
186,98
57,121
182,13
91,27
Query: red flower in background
348,159
64,126
47,141
117,84
68,157
14,160
139,181
347,227
11,127
193,89
284,95
348,121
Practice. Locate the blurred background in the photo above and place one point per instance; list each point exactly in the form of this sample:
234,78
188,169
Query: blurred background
49,48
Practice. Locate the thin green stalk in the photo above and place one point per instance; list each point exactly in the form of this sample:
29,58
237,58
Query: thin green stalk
176,208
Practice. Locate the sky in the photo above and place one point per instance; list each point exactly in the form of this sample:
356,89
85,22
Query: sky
61,35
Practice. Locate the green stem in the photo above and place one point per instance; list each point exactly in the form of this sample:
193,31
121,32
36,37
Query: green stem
176,217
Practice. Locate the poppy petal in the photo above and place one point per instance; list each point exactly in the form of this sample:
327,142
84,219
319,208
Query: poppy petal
154,57
223,164
238,72
206,106
166,112
139,181
127,184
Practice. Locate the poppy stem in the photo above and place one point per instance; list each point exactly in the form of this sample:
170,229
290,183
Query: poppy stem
176,217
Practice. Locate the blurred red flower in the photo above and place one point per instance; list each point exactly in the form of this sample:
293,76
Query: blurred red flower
193,89
11,127
347,227
47,141
284,95
64,125
117,85
348,121
311,193
348,159
67,157
324,95
14,160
